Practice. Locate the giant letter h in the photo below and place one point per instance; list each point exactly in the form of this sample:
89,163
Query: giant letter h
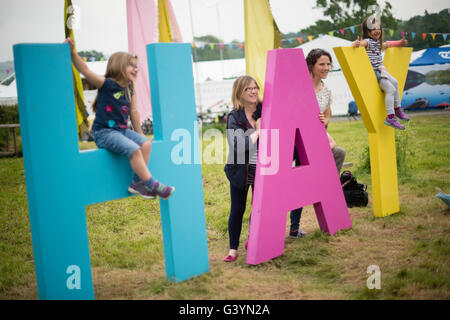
61,180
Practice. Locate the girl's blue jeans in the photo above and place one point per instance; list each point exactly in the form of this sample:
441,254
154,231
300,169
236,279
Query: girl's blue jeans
125,142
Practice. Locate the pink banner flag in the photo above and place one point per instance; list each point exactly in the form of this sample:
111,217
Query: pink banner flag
342,31
142,17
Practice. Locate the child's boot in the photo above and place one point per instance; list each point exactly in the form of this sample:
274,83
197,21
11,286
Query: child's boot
399,113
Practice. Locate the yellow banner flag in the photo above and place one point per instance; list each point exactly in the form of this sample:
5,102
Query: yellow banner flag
165,34
261,34
80,107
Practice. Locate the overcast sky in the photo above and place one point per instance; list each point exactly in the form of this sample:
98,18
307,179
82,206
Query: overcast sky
103,25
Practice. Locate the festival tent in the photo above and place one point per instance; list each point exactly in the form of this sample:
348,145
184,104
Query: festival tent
327,43
336,81
432,56
8,94
427,84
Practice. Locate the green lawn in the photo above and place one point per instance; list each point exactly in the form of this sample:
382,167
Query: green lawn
411,248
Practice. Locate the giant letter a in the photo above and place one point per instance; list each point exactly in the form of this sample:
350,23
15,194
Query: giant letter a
290,106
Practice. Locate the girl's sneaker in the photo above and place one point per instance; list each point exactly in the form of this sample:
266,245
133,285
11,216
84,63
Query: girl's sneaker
394,124
142,190
399,113
162,190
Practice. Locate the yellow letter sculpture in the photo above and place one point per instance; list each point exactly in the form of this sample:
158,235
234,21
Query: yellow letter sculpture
370,100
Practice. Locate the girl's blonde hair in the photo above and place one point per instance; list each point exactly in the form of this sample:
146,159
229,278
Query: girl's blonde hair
116,69
239,86
365,31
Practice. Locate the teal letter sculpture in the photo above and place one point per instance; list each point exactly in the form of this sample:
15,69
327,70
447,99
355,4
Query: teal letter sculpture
61,180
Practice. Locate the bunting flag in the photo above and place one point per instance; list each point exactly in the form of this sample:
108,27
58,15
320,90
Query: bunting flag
353,30
261,34
80,107
300,40
165,34
142,19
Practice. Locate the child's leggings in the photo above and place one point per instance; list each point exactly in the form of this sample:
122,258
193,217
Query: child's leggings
390,87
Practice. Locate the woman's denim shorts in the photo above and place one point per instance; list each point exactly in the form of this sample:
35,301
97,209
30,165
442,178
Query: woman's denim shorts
125,142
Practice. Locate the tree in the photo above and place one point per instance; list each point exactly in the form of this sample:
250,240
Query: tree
92,55
210,49
346,13
428,23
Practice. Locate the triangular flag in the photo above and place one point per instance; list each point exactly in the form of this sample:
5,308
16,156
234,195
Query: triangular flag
320,35
310,38
342,31
391,32
444,35
424,35
300,40
240,45
413,35
211,46
433,35
331,33
261,34
220,46
352,28
80,107
402,33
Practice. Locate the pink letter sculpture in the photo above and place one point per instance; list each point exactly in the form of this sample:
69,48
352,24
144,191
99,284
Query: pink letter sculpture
290,108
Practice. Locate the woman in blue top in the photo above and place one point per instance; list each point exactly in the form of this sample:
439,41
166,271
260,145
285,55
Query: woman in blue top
243,124
115,102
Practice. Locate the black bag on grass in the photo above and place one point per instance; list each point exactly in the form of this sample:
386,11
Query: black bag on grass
355,193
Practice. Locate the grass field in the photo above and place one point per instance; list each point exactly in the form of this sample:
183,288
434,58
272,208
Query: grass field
411,248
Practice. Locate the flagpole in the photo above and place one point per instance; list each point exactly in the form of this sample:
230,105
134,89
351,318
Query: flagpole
220,36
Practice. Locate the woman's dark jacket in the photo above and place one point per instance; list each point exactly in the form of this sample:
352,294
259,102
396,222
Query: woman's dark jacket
238,137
